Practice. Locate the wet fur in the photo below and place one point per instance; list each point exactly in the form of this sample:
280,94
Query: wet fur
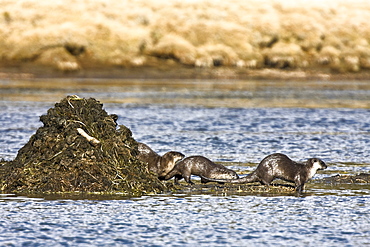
199,166
157,164
280,166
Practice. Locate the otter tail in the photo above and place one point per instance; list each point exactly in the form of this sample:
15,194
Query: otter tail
247,179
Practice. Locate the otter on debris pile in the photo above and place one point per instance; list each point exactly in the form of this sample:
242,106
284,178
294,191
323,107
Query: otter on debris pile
160,165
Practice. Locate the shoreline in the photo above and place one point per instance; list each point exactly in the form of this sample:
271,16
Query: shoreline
121,86
179,72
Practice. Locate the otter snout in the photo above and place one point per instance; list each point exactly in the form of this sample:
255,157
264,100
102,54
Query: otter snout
323,165
319,164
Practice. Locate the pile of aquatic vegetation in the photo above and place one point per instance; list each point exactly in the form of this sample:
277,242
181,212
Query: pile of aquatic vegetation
79,148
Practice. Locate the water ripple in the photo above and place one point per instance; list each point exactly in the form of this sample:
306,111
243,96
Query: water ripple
223,134
202,220
247,135
325,216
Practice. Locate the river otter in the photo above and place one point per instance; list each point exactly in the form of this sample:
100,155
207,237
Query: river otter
200,166
280,166
160,165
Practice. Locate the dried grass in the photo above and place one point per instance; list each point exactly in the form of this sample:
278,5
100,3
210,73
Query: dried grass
333,34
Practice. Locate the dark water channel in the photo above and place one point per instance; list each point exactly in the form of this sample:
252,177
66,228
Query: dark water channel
233,123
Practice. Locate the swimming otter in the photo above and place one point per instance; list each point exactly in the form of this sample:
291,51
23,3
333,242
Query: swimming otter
160,165
280,166
200,166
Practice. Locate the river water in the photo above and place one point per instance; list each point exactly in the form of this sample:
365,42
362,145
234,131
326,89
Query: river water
232,122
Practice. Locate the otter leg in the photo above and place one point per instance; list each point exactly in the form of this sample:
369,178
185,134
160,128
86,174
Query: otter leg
266,182
187,179
265,179
186,173
177,178
299,188
173,173
299,185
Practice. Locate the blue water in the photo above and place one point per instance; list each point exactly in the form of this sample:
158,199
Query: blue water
249,134
325,215
181,220
223,134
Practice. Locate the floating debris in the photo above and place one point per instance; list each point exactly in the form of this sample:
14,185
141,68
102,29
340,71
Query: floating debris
362,178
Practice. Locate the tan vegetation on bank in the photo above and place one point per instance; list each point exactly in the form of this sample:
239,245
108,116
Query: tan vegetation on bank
71,35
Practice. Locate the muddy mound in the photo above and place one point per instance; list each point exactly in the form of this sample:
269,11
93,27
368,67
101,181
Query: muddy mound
79,148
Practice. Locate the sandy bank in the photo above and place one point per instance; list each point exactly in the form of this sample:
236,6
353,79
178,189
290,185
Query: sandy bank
271,38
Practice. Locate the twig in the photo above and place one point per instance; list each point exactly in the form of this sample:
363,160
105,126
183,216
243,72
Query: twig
55,155
89,138
76,121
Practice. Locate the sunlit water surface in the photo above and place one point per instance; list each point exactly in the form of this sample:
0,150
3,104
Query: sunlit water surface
187,221
223,134
325,216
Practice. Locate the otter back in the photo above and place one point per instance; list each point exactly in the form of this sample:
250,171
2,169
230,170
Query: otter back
199,166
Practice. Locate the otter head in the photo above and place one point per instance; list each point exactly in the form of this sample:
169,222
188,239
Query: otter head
317,164
176,156
170,159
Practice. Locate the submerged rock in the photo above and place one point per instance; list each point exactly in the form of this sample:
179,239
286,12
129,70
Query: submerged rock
79,148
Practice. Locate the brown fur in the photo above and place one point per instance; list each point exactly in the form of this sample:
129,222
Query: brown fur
157,164
199,166
280,166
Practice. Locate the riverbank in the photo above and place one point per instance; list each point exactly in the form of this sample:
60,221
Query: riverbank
272,39
26,72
